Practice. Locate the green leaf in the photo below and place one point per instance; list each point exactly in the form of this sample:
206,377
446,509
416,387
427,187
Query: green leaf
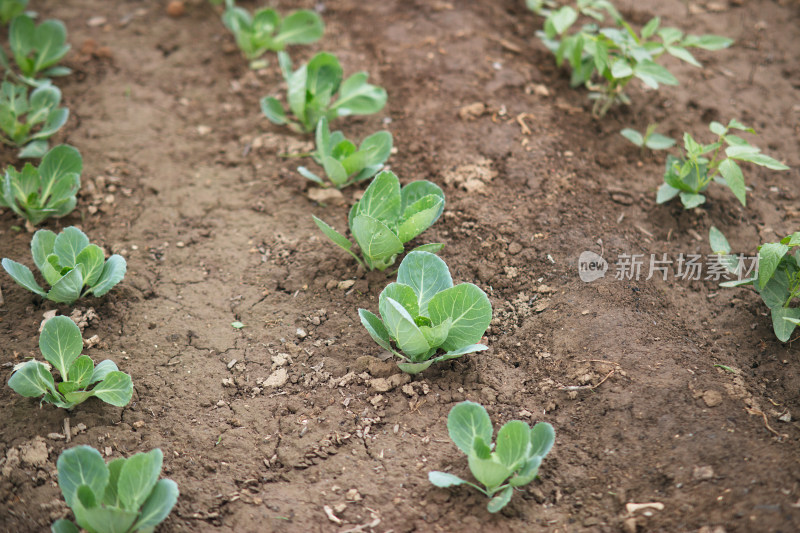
415,368
80,371
273,110
421,215
93,260
734,179
42,246
735,124
300,27
64,526
650,28
81,465
68,244
467,421
436,335
115,389
633,136
426,274
111,497
719,244
375,328
113,272
402,294
381,200
32,380
415,191
303,171
734,152
501,500
61,343
402,328
110,520
684,55
378,243
527,473
512,445
621,69
777,289
68,288
34,150
378,148
138,477
444,480
357,97
337,238
769,257
103,369
690,200
480,449
543,436
559,21
656,141
707,42
470,310
158,505
23,276
784,321
464,350
488,471
432,247
335,171
651,73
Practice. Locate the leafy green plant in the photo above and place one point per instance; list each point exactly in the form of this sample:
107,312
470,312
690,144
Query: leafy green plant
514,462
47,191
37,49
61,345
777,281
701,164
29,122
10,9
265,30
605,60
71,266
422,312
651,139
387,217
122,496
312,91
343,162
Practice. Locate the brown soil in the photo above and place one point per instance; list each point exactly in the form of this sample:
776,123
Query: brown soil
216,228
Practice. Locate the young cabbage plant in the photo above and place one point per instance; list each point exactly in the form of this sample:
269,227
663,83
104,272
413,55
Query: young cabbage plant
605,60
316,90
516,458
36,194
71,266
650,139
28,122
387,217
37,49
343,163
423,312
777,281
123,496
61,344
265,30
690,175
10,9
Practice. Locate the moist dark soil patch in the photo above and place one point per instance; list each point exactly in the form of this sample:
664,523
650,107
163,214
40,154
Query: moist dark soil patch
182,177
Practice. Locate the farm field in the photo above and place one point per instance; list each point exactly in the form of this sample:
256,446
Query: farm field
669,391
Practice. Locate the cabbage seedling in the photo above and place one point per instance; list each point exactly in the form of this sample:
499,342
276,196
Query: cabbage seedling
29,122
122,496
691,174
61,345
651,139
516,458
422,312
37,49
47,191
71,266
265,30
312,91
777,281
10,9
343,163
605,60
387,217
